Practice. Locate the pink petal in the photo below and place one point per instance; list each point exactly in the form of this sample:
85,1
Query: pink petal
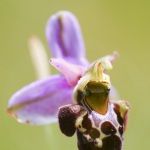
65,38
38,102
72,72
112,57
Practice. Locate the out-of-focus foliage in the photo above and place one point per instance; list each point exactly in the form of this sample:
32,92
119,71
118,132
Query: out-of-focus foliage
107,26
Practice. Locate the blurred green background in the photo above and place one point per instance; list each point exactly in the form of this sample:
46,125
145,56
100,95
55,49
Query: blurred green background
107,26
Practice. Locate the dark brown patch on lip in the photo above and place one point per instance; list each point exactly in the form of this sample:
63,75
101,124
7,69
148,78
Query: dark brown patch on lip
107,128
111,143
83,144
86,123
67,116
92,132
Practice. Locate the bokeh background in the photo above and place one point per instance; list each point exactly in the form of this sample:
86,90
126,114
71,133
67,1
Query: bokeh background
107,25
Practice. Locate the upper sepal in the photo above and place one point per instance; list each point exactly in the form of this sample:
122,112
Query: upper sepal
65,38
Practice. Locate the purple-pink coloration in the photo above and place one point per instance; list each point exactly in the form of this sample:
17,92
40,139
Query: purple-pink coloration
38,102
72,72
65,38
40,99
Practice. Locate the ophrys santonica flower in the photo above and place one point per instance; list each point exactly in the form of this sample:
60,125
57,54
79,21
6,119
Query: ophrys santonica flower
98,122
38,102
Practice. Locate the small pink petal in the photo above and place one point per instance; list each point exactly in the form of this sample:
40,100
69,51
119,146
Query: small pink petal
112,57
72,72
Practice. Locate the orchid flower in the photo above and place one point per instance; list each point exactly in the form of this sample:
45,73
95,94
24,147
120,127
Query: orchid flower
98,122
39,102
